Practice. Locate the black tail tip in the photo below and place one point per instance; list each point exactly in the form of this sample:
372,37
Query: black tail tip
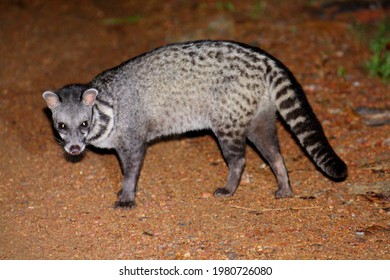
337,171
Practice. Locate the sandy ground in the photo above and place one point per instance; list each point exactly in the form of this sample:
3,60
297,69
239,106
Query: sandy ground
56,208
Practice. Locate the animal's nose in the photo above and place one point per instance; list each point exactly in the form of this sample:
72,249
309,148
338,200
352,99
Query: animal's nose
75,149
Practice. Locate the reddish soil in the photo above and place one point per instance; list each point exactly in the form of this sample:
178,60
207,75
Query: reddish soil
53,208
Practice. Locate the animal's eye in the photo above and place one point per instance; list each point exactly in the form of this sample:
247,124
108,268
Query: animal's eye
84,124
62,126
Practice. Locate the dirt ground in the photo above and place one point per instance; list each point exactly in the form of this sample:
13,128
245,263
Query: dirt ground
54,207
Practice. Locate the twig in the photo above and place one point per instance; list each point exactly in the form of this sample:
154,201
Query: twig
275,209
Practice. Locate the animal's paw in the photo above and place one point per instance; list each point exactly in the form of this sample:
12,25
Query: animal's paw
222,192
125,205
125,200
282,193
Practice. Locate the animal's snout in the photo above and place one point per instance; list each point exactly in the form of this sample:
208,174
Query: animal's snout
75,149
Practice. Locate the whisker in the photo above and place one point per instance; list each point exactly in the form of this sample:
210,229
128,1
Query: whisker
59,141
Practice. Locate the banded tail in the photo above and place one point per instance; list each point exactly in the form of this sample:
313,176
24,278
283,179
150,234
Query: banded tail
296,111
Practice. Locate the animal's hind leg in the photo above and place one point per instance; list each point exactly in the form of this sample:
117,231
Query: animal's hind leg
233,151
263,135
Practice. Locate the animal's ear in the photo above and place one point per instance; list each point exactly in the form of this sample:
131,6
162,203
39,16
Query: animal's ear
89,96
52,99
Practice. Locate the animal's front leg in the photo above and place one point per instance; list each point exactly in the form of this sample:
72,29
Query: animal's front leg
131,160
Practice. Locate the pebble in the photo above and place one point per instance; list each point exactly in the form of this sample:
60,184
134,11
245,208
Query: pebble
310,87
232,255
245,178
334,111
207,195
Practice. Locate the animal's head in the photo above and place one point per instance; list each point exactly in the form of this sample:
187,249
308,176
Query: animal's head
71,109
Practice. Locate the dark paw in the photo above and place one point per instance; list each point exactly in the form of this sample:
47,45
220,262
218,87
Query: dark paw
282,193
222,192
125,205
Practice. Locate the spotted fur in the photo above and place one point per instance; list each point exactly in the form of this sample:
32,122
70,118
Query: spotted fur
233,89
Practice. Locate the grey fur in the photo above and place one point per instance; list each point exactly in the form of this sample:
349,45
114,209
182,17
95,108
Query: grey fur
231,88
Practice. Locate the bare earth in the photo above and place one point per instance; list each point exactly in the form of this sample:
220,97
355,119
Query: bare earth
53,207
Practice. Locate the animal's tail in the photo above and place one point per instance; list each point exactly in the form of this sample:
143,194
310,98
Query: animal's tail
296,111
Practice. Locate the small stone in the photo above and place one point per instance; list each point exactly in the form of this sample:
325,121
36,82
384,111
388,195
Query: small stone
245,178
232,255
207,195
339,53
334,111
356,84
311,87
